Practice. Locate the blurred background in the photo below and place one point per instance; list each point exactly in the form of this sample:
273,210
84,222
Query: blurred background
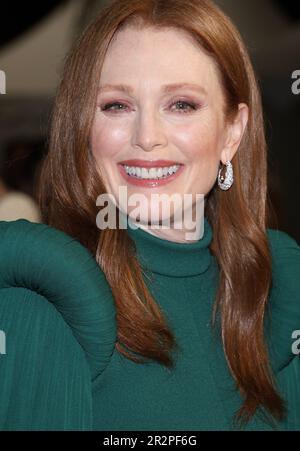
34,41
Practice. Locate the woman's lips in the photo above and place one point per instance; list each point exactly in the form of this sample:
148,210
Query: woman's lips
149,183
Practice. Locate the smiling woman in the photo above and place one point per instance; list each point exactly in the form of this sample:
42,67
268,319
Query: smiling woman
160,97
152,107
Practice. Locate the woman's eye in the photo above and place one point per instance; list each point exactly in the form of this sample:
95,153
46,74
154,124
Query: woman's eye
190,106
109,106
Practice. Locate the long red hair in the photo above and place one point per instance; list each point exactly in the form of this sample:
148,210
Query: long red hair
70,185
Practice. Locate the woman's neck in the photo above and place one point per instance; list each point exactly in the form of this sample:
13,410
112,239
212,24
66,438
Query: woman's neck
186,230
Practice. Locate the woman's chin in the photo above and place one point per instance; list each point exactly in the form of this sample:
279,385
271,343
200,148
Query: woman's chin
154,219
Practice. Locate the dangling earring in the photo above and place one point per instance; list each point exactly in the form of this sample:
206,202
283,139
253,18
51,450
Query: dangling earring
226,182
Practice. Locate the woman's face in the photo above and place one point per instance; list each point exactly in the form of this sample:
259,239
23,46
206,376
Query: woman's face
161,125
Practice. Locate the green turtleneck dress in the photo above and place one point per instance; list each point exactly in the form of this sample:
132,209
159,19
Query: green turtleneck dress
62,371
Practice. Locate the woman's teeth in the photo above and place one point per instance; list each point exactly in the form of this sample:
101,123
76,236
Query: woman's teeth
151,173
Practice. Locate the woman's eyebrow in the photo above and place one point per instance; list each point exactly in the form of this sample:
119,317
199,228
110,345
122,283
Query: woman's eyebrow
165,88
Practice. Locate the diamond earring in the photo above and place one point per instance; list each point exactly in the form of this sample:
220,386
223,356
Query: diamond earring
226,182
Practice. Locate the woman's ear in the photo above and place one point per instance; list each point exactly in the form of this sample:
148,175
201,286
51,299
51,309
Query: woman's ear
235,132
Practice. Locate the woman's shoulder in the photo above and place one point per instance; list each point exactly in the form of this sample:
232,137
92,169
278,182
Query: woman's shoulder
283,244
57,328
284,301
62,282
285,252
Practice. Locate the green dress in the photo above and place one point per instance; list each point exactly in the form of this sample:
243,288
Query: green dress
59,368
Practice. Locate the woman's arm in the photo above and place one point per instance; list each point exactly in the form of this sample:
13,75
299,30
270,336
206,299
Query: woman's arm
284,322
57,317
45,378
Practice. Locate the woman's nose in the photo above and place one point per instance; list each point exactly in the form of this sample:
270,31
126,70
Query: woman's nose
149,131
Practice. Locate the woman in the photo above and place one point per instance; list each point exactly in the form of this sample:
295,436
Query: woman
203,332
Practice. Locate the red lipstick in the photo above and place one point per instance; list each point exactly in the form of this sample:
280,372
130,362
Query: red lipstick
149,183
149,164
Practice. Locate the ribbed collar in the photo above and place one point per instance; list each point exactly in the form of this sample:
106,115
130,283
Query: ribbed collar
173,259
